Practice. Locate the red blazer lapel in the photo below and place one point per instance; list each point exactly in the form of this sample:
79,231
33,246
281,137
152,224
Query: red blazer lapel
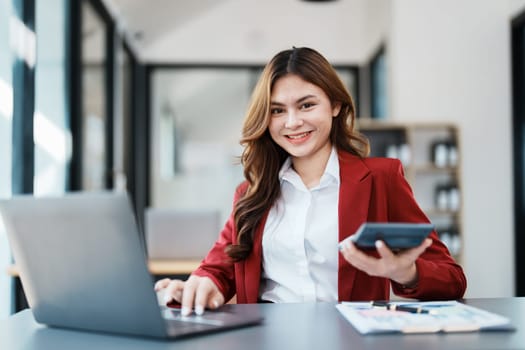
354,198
252,265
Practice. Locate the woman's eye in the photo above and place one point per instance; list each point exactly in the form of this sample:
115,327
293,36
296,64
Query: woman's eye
276,110
307,105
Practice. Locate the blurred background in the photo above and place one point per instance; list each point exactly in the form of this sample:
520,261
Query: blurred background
148,97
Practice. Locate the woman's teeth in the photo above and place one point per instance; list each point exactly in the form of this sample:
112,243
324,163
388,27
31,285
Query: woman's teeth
298,136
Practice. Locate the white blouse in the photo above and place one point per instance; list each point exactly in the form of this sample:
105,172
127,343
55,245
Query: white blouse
300,255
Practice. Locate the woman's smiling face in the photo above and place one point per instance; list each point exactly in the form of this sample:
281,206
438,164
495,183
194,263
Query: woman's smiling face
301,117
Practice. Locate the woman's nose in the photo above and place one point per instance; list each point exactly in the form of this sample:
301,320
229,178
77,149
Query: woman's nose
293,120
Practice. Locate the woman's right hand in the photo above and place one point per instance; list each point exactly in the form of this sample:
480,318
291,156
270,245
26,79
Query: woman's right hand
196,292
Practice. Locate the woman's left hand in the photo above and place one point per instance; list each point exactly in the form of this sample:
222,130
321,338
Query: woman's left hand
399,267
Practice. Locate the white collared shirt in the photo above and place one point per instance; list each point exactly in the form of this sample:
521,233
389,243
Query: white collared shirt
300,255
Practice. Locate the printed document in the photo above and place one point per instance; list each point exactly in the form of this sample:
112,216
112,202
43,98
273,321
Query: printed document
438,316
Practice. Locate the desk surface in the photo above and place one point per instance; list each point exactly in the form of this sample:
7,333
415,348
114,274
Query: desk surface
286,326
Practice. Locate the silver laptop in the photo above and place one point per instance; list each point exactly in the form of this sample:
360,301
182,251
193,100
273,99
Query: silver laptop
180,234
82,266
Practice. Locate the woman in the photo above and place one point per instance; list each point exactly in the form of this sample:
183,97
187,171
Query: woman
308,186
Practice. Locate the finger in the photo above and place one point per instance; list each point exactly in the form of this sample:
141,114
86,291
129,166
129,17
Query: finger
359,259
174,291
414,253
427,242
423,246
203,292
161,284
203,295
188,295
216,300
350,251
384,251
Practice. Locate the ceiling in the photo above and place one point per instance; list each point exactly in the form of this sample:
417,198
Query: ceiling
248,31
147,21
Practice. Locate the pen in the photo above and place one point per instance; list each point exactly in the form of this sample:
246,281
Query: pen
395,307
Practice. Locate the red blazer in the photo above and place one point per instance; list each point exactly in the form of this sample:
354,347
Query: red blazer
371,189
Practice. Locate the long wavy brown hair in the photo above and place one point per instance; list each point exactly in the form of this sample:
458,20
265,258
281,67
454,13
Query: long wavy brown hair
262,158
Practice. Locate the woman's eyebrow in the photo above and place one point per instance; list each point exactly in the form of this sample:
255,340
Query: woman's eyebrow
302,99
276,103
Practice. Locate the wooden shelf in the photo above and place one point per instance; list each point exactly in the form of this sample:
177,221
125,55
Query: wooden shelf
375,124
172,267
413,144
434,211
12,271
430,168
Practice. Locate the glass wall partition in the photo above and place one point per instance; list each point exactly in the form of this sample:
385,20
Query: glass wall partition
197,115
122,119
197,119
51,135
94,99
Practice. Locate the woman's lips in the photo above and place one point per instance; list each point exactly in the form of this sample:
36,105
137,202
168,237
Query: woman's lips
298,138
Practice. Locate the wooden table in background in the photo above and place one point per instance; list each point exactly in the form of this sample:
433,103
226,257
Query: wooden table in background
156,267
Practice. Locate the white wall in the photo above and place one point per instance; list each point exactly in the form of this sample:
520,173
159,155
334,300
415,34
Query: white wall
377,22
516,7
450,61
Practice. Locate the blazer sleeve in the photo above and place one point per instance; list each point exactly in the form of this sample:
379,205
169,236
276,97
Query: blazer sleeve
217,265
439,276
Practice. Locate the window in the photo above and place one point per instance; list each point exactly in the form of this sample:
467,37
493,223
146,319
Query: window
6,115
94,126
52,140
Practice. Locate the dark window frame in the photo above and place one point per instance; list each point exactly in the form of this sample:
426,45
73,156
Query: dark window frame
139,127
374,98
23,151
518,137
74,88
